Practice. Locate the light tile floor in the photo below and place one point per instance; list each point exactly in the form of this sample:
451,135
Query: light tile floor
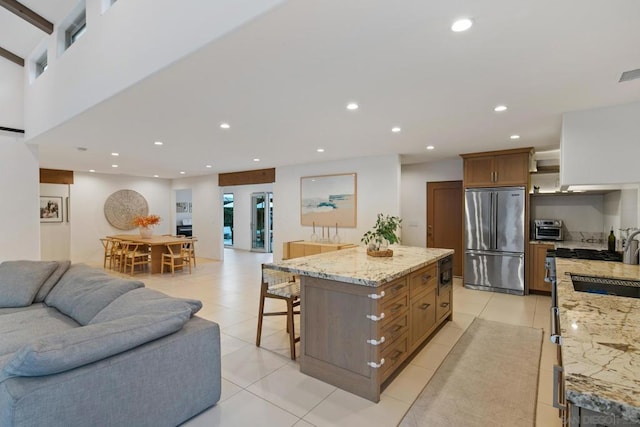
263,386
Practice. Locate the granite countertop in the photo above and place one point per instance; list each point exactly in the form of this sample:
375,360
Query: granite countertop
600,341
356,267
571,244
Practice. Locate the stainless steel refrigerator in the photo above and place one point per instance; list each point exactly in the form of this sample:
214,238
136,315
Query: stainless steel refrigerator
494,239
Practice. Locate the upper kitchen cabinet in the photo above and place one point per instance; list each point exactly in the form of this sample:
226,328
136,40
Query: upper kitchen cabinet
503,168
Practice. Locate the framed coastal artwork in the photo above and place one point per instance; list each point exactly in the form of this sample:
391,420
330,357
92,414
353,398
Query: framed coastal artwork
329,200
50,209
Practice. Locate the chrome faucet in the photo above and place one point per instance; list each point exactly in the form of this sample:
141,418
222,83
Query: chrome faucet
630,254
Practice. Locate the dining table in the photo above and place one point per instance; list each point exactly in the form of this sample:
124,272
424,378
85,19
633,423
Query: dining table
158,245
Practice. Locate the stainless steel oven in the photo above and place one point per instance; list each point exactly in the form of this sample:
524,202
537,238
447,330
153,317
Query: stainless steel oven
547,229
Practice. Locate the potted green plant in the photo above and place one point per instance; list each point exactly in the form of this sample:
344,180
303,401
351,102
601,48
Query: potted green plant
382,235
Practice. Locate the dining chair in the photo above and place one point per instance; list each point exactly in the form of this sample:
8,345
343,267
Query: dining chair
135,254
173,257
283,286
116,259
189,250
107,244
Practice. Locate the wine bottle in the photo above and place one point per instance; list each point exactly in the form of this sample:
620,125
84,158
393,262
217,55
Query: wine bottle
612,241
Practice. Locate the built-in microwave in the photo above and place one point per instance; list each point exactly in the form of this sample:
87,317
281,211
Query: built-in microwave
547,229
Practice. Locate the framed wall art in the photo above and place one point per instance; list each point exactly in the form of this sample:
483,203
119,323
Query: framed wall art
329,200
50,209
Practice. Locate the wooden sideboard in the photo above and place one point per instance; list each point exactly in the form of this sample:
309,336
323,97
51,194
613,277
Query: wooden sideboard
300,248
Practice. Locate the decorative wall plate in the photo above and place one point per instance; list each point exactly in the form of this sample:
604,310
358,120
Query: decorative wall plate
122,206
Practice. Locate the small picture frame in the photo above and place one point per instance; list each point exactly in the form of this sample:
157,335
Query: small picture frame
182,207
51,209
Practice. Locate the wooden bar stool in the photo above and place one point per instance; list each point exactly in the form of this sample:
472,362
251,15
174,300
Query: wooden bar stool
284,286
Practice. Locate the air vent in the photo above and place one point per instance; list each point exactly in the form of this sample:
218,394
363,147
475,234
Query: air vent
629,75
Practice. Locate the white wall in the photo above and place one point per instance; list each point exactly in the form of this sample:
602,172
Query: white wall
11,95
242,212
600,146
88,223
413,205
19,216
378,184
55,237
129,42
207,213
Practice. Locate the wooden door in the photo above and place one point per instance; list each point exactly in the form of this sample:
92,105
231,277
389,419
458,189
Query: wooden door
444,219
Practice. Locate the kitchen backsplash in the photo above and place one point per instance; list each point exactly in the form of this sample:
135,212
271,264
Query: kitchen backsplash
584,236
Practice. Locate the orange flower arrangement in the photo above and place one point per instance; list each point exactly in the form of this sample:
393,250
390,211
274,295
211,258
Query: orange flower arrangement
146,221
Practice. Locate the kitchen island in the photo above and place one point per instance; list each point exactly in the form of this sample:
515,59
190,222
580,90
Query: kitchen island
363,316
600,343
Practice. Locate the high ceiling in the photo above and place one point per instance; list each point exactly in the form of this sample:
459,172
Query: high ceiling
282,82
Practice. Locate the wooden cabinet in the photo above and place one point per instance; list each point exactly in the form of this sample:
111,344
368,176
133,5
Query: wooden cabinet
355,337
301,248
497,168
537,256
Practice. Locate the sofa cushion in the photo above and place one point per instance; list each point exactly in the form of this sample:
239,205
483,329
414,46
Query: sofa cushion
21,328
46,287
144,301
83,291
80,346
21,280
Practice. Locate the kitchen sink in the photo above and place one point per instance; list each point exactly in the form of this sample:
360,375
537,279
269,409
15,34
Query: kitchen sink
606,286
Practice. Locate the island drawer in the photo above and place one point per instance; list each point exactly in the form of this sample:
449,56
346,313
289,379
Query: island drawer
394,307
423,316
394,329
394,355
423,280
395,288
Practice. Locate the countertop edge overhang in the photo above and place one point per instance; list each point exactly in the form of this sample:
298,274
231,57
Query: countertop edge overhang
354,266
600,341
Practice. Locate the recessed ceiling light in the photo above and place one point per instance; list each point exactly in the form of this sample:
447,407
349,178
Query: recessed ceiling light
92,170
115,154
208,166
114,166
430,147
320,150
156,176
158,143
461,25
182,172
256,159
352,106
500,108
224,126
515,137
395,129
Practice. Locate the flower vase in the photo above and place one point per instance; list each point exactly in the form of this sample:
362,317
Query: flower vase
146,232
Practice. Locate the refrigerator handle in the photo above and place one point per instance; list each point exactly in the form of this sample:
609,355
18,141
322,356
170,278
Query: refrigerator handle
494,220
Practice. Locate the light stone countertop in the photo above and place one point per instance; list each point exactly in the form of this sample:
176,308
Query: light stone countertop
600,341
571,244
356,267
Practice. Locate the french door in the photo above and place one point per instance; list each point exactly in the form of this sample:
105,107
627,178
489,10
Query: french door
261,222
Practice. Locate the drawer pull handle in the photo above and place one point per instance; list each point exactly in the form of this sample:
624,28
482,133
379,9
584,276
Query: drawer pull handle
396,308
376,296
425,278
395,330
557,378
374,317
425,306
374,342
397,354
397,288
376,365
444,304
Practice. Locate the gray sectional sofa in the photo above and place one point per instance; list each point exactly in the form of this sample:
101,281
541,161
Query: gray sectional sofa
79,347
